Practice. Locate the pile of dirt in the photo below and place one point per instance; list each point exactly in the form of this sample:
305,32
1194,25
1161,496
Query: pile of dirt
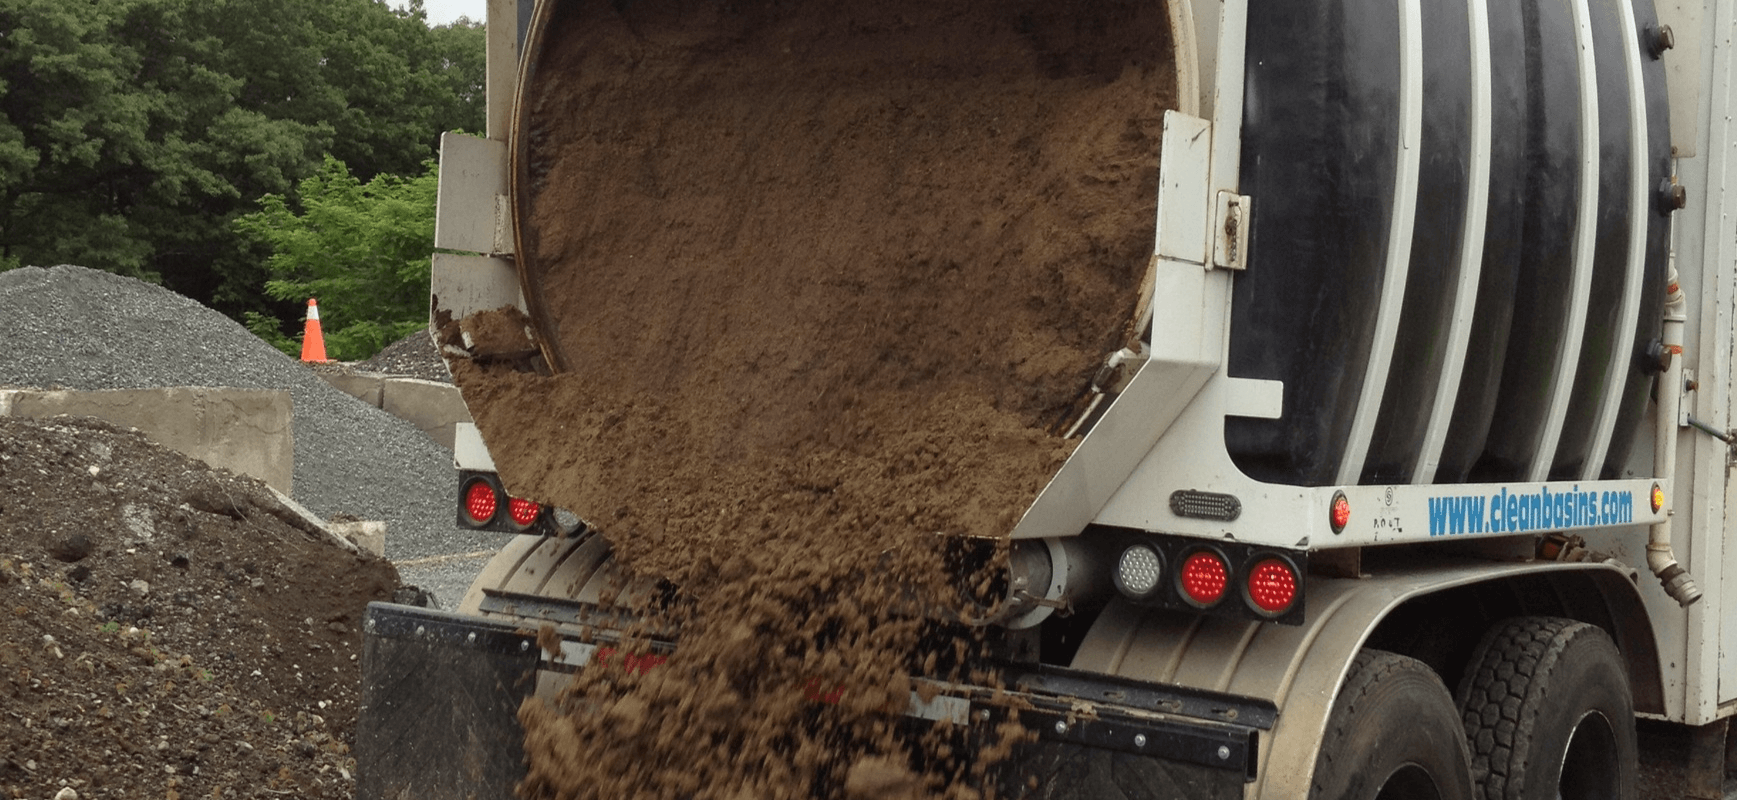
76,328
823,281
166,629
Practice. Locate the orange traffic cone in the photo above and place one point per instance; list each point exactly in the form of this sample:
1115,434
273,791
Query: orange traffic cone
313,343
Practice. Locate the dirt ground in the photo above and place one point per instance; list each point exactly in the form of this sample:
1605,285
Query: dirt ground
168,630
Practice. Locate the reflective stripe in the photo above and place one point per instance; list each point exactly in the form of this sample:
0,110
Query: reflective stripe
1585,229
1400,224
1471,250
1637,246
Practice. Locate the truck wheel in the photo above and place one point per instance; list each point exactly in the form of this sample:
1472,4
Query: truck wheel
1548,713
1393,735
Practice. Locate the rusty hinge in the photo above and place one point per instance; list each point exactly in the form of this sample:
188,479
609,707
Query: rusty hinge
1230,223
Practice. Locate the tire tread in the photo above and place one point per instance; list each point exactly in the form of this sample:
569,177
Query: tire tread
1512,657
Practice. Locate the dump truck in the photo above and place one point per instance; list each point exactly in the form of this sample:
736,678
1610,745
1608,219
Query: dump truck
1407,475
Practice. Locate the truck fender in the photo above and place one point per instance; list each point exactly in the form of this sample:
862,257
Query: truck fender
1300,668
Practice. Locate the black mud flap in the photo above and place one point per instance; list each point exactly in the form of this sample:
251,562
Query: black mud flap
441,693
440,701
1056,770
1101,737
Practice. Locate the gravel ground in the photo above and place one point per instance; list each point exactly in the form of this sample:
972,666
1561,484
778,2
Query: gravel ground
76,328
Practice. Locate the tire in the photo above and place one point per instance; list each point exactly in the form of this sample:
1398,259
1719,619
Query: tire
1548,713
1393,735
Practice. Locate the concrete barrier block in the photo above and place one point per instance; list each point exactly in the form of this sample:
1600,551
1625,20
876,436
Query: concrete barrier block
433,407
248,431
369,536
367,387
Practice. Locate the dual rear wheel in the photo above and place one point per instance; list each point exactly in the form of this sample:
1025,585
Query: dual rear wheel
1542,712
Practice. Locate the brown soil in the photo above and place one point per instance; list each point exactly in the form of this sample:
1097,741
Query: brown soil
164,632
826,277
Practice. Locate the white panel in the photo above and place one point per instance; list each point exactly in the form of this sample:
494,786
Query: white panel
1712,206
1113,448
1639,194
1187,56
468,450
1227,92
1585,236
502,65
464,285
1184,210
473,172
1683,78
1447,389
1404,217
1254,398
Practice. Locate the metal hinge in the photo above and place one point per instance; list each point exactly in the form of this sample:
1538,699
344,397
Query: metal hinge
1230,223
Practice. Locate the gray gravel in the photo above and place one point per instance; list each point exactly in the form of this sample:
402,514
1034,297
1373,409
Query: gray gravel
414,355
76,328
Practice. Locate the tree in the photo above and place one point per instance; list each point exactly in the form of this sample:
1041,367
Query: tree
362,248
134,132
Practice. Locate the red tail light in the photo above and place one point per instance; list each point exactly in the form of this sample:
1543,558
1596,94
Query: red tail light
523,512
1203,577
1272,586
1340,514
480,503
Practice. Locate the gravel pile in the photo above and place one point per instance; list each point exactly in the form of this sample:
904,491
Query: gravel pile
76,328
414,356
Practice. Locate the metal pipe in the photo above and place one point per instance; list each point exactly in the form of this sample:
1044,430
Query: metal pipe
1041,577
1678,583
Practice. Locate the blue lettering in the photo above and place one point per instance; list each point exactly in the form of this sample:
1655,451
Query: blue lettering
1438,516
1475,514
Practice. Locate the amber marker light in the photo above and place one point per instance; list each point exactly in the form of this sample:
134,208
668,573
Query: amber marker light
1658,498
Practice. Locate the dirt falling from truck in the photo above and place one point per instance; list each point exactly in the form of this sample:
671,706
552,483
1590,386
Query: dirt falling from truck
822,280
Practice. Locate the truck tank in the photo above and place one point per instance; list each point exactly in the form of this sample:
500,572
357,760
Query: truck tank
1453,315
1555,333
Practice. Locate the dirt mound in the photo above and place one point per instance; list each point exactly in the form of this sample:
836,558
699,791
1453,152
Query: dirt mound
824,279
78,328
164,631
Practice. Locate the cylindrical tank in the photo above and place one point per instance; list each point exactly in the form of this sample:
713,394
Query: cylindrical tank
1321,155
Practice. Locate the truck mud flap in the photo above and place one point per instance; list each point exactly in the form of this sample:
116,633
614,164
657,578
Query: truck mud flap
1102,737
441,693
1047,770
440,701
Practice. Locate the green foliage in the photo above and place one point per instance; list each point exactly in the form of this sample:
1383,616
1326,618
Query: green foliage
361,248
134,132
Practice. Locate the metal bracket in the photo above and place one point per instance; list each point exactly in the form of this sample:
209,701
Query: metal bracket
1230,221
1687,397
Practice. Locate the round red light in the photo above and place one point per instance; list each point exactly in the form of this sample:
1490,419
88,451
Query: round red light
1658,498
1203,577
480,503
1272,586
1340,514
523,512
